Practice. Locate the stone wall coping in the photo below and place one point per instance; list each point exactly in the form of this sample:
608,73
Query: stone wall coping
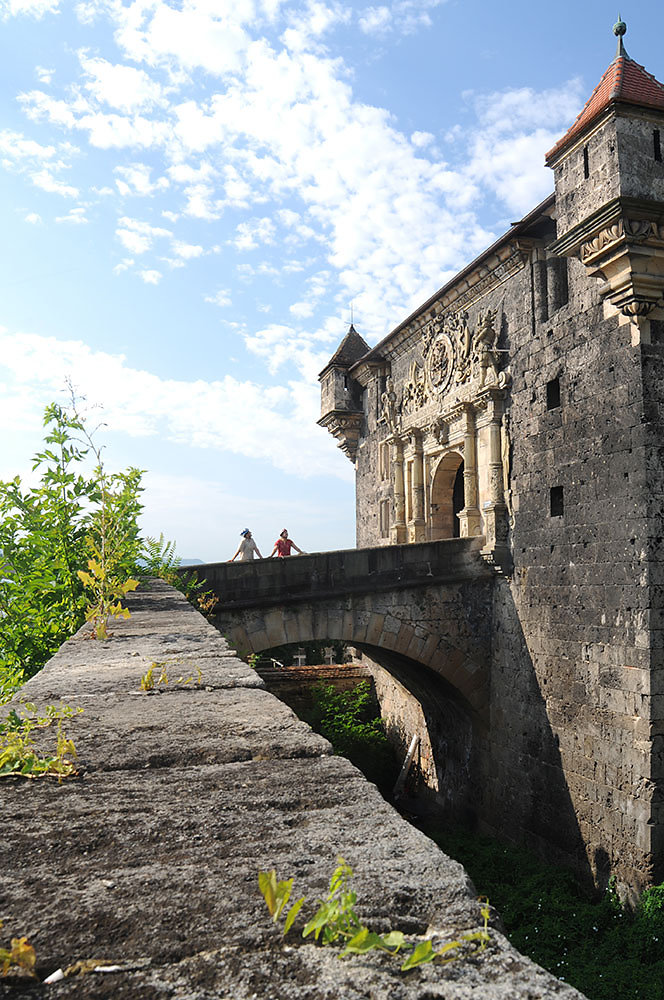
148,860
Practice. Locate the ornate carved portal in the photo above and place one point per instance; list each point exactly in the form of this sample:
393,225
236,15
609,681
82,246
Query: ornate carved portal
447,436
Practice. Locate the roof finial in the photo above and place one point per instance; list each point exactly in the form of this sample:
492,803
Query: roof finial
619,29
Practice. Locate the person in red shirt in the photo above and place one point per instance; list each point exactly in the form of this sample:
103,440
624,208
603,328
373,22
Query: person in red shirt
283,545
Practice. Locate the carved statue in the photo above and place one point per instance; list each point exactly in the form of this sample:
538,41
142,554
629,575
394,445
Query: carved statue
463,342
485,354
389,404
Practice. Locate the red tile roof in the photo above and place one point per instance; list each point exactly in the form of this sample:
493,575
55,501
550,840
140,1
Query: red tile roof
625,81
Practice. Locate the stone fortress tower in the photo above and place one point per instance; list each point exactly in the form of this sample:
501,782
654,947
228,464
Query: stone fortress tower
524,403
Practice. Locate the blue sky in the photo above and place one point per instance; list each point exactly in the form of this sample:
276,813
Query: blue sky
194,192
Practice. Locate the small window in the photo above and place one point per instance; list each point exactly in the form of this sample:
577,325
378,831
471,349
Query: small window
553,394
586,163
657,148
557,503
346,383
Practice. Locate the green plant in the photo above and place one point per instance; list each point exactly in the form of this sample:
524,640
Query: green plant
19,955
158,558
113,543
335,921
18,755
350,721
604,949
148,682
42,541
51,532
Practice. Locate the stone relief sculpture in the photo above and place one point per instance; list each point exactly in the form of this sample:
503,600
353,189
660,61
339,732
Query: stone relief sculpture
414,393
389,404
484,353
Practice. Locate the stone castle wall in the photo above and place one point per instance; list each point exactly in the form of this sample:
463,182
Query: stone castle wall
571,765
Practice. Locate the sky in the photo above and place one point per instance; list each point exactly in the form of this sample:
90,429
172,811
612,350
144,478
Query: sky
195,194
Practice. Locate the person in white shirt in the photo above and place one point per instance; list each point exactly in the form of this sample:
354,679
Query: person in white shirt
246,548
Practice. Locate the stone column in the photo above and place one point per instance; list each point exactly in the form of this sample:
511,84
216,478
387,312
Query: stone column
398,526
418,528
496,518
470,521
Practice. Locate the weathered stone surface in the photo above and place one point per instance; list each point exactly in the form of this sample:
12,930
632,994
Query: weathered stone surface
149,860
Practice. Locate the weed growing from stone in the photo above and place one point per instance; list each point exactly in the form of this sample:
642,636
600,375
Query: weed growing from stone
19,955
149,683
336,922
18,754
159,558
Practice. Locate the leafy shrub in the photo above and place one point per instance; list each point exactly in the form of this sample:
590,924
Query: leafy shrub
350,721
606,951
49,535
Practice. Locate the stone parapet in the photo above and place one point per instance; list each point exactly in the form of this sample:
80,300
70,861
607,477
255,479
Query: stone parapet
148,861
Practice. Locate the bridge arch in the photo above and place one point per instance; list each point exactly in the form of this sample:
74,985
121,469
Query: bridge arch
463,668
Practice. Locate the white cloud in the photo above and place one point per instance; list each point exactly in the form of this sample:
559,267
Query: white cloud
33,218
139,237
375,20
515,129
150,277
125,265
187,251
35,8
121,87
75,216
403,16
135,180
47,182
221,298
196,414
44,75
421,139
255,233
15,147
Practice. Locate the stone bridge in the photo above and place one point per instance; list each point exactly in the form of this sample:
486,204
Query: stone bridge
427,604
421,617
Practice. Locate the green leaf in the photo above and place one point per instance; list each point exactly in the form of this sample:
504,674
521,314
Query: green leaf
292,913
267,883
394,939
319,920
419,956
365,940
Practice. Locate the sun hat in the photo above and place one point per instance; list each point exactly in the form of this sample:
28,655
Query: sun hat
245,532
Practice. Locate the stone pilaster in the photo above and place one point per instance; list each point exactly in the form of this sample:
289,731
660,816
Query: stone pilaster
470,521
418,526
398,526
494,510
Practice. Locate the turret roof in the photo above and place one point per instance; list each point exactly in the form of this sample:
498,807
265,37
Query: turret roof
351,349
625,81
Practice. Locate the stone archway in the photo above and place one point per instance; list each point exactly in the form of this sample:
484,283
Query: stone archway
446,497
